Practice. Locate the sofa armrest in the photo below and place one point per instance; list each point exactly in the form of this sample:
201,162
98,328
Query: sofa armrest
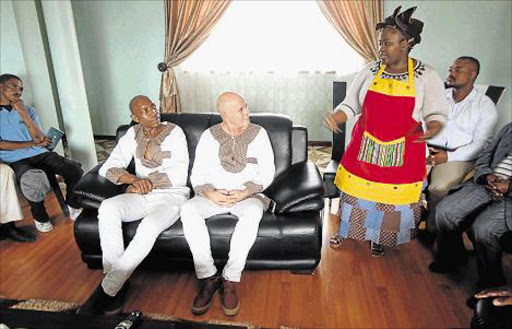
299,188
92,189
299,144
331,190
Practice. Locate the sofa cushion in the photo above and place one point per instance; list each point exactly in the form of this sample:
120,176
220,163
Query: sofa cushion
280,236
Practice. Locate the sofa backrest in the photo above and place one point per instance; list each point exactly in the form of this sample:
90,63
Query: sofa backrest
278,127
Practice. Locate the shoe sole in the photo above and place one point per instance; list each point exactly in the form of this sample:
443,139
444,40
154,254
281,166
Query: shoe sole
202,310
117,311
230,311
43,229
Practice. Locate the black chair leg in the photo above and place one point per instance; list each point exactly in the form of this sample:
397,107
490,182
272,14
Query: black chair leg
58,194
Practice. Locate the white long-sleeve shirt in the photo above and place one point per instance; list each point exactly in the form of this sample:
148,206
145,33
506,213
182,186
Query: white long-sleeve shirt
470,126
233,163
163,160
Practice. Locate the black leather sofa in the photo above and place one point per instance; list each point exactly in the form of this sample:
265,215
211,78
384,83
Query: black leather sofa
290,237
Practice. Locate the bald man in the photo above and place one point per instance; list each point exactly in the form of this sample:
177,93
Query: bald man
470,127
234,163
155,193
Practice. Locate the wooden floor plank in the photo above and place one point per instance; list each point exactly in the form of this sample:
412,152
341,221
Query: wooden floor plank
349,289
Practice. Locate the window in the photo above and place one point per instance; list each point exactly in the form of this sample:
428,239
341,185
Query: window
276,36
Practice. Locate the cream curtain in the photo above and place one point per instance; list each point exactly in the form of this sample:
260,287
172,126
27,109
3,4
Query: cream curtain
355,20
188,24
305,97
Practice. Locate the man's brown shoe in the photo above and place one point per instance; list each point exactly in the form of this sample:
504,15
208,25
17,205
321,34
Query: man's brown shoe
204,298
229,297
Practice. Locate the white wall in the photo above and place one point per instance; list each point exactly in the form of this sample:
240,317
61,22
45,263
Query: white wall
121,44
11,55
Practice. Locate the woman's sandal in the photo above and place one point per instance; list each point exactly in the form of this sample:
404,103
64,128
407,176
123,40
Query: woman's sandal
335,241
377,249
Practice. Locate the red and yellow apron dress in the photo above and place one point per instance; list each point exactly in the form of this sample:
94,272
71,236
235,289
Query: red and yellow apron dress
382,171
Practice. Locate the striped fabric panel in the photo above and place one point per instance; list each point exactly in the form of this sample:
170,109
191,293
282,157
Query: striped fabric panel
504,168
383,155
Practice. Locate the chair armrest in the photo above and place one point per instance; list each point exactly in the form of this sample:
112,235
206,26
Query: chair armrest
331,190
299,188
92,189
331,168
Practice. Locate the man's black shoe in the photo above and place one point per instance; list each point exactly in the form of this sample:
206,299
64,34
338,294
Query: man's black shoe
99,303
427,237
441,267
10,231
115,304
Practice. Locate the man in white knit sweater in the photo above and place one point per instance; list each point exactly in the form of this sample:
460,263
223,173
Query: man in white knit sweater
234,163
155,193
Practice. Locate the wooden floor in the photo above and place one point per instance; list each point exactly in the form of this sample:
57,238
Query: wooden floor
350,289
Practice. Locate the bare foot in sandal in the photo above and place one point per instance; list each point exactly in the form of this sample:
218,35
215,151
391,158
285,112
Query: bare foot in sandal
377,249
335,241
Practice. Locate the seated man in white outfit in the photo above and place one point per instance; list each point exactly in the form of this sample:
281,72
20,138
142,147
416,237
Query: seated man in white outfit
10,210
154,194
234,162
470,127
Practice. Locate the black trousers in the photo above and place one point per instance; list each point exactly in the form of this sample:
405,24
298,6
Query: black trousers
52,164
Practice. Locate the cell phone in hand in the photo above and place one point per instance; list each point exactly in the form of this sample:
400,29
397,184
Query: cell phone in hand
55,135
441,147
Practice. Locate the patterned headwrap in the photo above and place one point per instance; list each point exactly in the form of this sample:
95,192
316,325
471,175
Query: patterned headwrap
409,27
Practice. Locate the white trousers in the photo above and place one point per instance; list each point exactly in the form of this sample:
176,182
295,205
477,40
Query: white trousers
193,217
10,209
158,210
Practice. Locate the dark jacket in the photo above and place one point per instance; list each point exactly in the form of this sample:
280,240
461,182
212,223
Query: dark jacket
493,154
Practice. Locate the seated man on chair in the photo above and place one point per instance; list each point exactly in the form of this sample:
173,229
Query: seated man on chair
155,193
234,162
23,147
470,127
10,210
484,205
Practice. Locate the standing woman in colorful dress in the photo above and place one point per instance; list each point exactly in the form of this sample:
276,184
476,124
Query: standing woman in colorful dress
382,170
